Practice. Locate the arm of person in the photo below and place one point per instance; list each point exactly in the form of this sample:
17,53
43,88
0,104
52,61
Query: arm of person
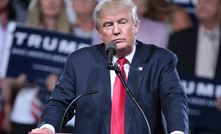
172,97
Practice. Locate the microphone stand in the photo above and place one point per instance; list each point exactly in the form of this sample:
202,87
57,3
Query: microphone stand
79,96
119,74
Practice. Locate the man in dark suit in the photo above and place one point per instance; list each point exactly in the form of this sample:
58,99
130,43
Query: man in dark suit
198,48
151,76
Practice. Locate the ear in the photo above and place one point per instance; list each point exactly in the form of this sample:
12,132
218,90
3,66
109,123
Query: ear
136,28
100,34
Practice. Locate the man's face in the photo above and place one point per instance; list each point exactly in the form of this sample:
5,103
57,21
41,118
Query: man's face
119,28
208,9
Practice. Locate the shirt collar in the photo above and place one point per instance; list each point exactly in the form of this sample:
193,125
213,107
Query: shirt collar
204,31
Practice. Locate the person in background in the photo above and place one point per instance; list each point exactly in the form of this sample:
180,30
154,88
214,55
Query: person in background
174,17
199,48
150,73
70,12
7,14
49,15
84,25
28,105
10,87
151,32
20,7
149,29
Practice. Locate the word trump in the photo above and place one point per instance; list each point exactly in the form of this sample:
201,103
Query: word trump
47,43
202,89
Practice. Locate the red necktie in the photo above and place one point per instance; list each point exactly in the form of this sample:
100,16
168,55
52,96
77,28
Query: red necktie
118,103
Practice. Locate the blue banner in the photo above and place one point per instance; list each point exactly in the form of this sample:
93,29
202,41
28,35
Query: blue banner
37,52
201,96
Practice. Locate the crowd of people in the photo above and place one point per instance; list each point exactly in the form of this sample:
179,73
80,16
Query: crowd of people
161,23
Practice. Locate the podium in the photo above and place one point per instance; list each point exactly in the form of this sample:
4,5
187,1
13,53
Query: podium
52,133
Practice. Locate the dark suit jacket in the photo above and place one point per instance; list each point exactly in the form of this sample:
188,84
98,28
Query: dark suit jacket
184,45
155,87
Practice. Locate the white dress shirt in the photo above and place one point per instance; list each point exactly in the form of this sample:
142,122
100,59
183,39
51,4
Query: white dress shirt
207,52
126,68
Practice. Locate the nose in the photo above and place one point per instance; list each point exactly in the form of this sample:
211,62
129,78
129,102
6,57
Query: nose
116,29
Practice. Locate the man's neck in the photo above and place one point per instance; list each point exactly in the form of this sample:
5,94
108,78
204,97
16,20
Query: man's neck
210,24
129,57
124,53
49,23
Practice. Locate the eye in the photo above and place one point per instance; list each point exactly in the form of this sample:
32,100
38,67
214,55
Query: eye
123,22
108,25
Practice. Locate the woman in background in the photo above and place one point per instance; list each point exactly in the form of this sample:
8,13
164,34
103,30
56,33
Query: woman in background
49,14
175,18
7,13
150,32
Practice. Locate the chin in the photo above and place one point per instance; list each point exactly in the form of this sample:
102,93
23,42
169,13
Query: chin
121,49
121,44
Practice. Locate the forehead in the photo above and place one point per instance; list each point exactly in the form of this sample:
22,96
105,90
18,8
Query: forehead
115,16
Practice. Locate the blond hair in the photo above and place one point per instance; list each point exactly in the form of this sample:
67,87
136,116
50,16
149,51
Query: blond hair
110,6
35,16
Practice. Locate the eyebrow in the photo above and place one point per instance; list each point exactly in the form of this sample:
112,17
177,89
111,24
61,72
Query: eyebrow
106,22
122,19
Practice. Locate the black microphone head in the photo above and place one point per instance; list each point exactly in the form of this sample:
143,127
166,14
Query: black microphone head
111,46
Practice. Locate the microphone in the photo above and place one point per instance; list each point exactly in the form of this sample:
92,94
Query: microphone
79,96
110,51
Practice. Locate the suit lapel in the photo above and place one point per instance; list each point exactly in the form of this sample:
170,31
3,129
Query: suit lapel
135,77
102,78
193,48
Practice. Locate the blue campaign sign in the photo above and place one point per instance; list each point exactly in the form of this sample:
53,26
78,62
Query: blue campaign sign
37,52
201,96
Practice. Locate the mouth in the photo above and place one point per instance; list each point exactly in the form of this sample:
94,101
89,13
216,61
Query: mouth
118,40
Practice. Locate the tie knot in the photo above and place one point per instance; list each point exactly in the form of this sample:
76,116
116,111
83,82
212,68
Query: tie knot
122,61
211,35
